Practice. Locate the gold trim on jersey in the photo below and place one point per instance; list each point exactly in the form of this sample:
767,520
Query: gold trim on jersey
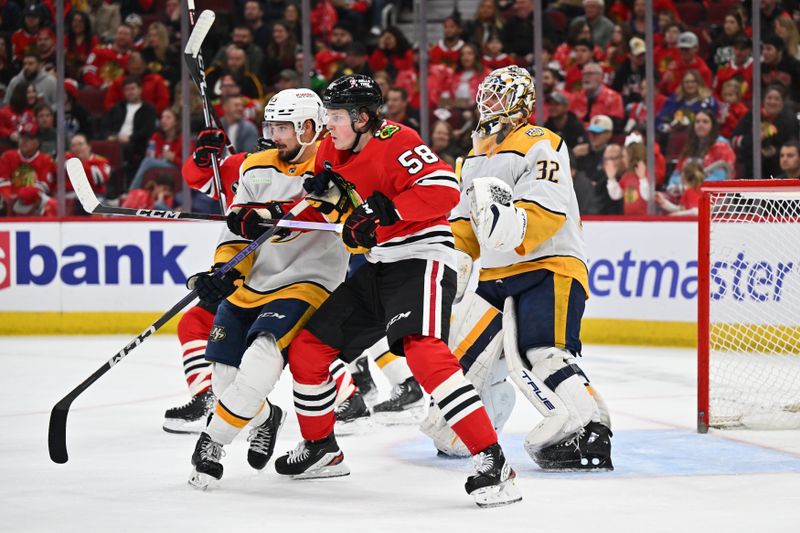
518,142
465,239
271,159
227,251
306,291
284,341
562,286
571,267
542,225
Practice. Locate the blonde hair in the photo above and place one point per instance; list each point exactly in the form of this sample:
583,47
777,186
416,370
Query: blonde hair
702,89
734,84
792,39
160,49
692,174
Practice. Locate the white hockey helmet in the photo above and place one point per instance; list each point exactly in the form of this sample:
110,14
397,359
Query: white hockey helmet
295,106
505,95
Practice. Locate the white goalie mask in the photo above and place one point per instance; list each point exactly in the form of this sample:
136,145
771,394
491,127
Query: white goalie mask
294,106
505,95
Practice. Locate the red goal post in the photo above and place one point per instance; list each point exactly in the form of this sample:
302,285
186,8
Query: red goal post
748,324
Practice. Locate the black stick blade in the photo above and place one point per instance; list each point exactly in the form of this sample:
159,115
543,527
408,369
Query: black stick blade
57,436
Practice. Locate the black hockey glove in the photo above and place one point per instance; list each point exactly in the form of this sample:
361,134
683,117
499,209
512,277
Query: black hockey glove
328,193
212,289
209,141
359,228
246,220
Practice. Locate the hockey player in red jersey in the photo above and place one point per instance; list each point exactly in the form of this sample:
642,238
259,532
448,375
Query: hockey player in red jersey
405,290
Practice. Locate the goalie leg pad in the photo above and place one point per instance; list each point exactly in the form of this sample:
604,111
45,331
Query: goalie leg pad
548,378
476,339
245,397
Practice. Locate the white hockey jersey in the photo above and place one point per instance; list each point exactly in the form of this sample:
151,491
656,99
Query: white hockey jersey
307,266
534,162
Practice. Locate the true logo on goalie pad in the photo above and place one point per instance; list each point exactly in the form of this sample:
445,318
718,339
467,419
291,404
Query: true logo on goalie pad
537,391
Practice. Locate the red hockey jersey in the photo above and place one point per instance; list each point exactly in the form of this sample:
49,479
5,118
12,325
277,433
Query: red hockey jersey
105,65
17,172
98,170
422,187
202,179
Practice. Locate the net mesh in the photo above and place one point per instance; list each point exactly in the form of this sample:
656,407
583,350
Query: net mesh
754,310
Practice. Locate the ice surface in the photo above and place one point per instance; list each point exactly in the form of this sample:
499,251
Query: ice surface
126,474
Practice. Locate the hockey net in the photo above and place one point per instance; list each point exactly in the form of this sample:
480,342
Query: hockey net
749,305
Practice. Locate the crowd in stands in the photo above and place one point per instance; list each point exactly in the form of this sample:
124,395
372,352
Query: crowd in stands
123,93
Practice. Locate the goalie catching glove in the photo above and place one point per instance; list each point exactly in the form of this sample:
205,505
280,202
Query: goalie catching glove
210,141
359,228
212,289
247,220
498,224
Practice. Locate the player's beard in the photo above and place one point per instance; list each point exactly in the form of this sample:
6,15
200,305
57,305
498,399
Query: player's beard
288,156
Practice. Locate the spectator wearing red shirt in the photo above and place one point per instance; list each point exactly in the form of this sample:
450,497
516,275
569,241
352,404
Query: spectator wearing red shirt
393,53
689,60
17,113
739,68
581,56
331,58
463,86
732,109
107,63
692,179
25,166
164,147
596,98
447,50
666,52
154,86
79,42
493,55
565,53
705,146
633,187
24,39
31,201
97,167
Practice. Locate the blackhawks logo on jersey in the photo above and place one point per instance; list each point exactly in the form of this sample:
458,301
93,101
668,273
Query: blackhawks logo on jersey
387,131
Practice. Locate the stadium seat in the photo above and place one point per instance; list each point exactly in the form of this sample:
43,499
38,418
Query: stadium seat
557,20
92,99
691,13
675,143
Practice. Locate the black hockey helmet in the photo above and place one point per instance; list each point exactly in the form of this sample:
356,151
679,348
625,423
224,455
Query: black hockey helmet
355,92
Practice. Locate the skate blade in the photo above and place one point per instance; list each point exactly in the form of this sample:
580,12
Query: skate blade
601,467
359,426
409,416
505,493
337,470
183,427
201,481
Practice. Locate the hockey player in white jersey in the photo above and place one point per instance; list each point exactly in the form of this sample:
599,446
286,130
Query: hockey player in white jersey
518,213
279,286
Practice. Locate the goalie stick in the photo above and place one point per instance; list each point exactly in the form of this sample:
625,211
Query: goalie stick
91,204
57,436
194,60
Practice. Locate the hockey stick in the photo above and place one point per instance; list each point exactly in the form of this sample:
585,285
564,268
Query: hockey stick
91,204
57,437
194,60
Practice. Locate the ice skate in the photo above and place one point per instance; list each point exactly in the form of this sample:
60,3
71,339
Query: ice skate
262,438
205,459
313,460
352,415
190,417
493,485
363,380
589,449
405,406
